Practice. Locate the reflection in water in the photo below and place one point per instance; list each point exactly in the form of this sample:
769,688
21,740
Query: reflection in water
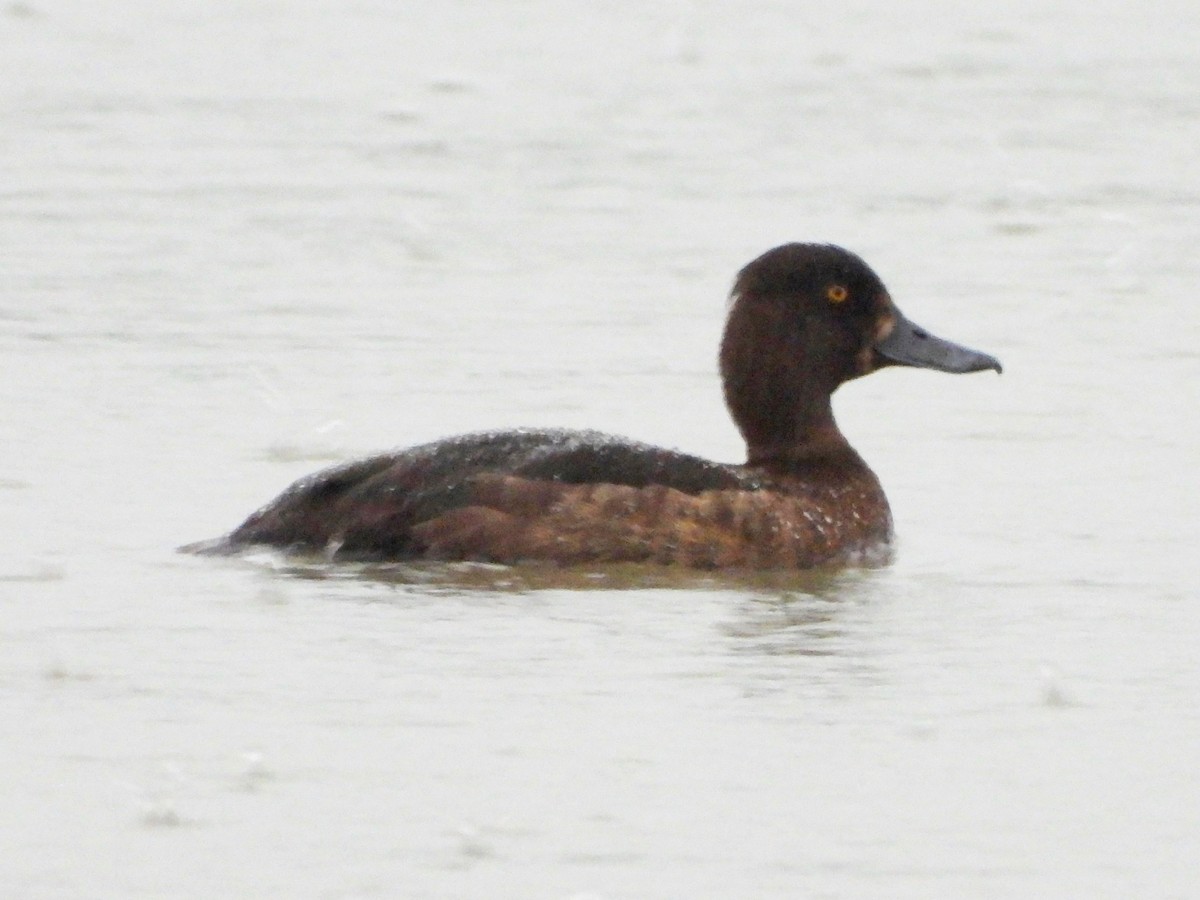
826,584
806,620
803,625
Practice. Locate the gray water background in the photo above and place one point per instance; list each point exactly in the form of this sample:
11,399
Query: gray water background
241,240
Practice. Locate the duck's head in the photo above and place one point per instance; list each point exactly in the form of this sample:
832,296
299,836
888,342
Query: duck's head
804,319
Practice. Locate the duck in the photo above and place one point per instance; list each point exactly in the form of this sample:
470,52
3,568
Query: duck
803,319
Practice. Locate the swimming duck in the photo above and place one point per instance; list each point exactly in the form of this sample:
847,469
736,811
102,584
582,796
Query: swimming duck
804,319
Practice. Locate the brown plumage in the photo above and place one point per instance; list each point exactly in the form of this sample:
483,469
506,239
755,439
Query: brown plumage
805,319
516,519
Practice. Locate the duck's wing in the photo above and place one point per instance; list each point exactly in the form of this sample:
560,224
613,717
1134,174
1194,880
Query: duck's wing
377,508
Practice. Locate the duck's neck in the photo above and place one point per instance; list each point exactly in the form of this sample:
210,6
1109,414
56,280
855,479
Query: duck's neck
808,440
778,386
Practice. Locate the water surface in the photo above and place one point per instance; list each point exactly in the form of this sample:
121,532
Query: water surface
239,242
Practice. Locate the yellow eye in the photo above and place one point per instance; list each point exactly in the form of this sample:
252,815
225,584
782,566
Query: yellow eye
836,293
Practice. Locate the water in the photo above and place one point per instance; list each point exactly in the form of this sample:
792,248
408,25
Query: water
240,241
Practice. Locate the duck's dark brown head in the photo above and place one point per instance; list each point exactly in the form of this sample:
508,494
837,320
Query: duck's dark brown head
806,318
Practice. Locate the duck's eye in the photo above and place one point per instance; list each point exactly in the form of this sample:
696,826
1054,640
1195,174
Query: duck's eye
836,293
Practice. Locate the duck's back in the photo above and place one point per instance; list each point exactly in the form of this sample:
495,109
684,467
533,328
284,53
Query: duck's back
401,505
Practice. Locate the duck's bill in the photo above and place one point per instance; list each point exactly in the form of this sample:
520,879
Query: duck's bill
911,345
